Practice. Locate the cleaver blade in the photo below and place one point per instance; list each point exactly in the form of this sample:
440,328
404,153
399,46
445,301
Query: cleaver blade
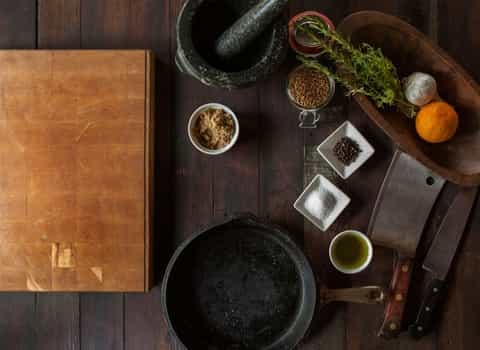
406,198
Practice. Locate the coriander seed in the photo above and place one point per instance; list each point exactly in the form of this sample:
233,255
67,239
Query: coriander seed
308,88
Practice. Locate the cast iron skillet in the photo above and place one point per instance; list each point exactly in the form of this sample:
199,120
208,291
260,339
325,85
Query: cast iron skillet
244,284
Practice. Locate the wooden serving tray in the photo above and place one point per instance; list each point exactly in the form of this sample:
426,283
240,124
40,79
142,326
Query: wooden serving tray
75,170
457,160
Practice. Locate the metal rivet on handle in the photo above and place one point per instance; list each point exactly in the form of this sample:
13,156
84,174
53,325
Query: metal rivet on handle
393,326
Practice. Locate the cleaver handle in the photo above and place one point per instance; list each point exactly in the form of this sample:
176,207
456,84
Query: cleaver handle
395,305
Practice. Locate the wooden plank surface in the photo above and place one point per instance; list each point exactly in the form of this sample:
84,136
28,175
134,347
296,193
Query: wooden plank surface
101,324
17,326
57,321
58,24
461,311
263,174
141,24
101,321
18,24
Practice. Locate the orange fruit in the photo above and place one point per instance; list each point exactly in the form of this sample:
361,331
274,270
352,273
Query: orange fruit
436,122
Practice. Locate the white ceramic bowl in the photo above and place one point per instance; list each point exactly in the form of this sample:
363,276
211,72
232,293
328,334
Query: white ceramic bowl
194,141
367,261
325,149
320,184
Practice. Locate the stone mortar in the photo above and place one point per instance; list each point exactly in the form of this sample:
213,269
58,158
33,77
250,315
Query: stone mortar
199,25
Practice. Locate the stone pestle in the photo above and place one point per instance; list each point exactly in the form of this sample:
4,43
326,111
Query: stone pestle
248,27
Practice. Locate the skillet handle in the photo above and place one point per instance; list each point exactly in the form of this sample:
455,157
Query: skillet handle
392,321
362,295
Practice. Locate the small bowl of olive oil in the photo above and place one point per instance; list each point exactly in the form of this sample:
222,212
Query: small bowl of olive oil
350,251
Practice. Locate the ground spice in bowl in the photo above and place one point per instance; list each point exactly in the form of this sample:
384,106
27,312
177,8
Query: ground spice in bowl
309,88
346,150
214,128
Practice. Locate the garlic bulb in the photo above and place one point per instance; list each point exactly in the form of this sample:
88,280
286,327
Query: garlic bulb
420,88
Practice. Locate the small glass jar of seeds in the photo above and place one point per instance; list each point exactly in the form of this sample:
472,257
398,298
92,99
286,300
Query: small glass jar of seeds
309,91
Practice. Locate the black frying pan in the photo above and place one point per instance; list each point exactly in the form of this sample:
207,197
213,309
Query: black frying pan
244,284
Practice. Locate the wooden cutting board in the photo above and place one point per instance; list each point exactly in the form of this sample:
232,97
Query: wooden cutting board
75,170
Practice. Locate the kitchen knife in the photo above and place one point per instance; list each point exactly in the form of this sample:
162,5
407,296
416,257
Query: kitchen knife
440,256
401,211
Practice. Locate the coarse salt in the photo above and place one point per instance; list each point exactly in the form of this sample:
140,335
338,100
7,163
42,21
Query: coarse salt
320,203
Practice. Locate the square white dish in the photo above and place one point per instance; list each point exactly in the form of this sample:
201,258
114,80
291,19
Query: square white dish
318,187
325,149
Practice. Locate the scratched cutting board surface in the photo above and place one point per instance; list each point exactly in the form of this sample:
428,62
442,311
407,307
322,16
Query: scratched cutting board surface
75,166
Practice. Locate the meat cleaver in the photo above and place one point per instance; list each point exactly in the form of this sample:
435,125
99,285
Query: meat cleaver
403,205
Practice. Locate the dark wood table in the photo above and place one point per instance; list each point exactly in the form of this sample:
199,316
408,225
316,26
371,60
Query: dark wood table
263,174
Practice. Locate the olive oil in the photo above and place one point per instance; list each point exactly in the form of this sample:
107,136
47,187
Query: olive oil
350,251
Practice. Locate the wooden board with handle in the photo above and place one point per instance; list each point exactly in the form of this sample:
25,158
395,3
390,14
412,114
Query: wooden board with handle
75,170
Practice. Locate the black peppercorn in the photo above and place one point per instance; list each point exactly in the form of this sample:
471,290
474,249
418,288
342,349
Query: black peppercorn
346,150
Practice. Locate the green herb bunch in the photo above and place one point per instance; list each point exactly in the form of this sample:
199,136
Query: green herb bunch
361,70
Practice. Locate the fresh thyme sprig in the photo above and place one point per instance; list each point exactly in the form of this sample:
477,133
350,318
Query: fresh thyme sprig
361,70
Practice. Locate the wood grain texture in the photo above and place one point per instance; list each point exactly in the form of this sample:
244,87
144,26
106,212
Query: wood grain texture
101,321
194,172
141,24
201,191
101,324
145,327
57,318
280,165
462,304
71,210
58,24
17,326
18,24
395,306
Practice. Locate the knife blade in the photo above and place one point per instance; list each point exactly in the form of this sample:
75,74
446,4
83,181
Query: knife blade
440,256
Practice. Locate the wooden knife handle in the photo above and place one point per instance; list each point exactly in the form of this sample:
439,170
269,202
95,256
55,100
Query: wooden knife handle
395,305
